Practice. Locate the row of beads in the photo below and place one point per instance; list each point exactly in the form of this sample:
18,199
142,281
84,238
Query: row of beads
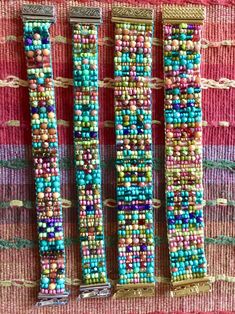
45,157
87,157
132,69
183,129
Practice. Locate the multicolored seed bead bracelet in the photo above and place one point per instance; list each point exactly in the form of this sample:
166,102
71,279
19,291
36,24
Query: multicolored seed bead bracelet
37,21
133,116
85,23
183,148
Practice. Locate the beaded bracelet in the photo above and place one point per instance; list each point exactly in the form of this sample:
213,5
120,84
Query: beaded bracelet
133,116
85,21
183,153
37,21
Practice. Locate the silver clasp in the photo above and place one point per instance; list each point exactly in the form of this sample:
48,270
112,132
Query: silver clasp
31,12
85,15
95,291
52,300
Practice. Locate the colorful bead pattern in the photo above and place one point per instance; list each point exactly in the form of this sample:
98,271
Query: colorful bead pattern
133,116
87,156
183,128
45,157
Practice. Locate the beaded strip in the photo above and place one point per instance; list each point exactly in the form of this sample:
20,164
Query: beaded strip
183,153
86,147
133,116
45,153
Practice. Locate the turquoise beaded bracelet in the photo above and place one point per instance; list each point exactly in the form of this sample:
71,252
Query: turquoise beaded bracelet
183,154
37,21
85,23
133,116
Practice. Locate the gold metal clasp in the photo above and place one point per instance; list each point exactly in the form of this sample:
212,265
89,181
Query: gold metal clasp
134,291
176,14
132,15
31,12
190,287
85,15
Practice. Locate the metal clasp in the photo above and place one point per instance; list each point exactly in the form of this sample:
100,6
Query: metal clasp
85,15
95,291
31,12
134,290
52,300
190,287
177,14
122,14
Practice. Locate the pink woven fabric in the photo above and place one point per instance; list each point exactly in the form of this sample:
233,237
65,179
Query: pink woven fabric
19,266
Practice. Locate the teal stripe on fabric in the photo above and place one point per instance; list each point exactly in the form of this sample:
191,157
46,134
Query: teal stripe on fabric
66,163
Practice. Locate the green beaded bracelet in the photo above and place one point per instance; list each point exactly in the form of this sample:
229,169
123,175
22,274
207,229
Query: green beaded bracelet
85,23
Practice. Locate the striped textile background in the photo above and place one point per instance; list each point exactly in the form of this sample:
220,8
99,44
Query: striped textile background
19,260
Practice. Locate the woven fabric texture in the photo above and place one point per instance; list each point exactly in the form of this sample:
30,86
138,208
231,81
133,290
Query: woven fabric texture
19,259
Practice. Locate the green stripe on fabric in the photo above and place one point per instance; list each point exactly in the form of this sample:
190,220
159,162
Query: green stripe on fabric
16,243
25,204
221,239
20,243
215,203
15,163
219,164
67,163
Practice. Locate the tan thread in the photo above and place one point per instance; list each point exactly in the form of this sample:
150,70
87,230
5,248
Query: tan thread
222,201
222,83
13,81
110,124
156,122
13,123
108,41
61,39
109,202
16,203
63,122
222,277
63,82
107,82
224,123
73,281
4,40
76,281
215,44
66,203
